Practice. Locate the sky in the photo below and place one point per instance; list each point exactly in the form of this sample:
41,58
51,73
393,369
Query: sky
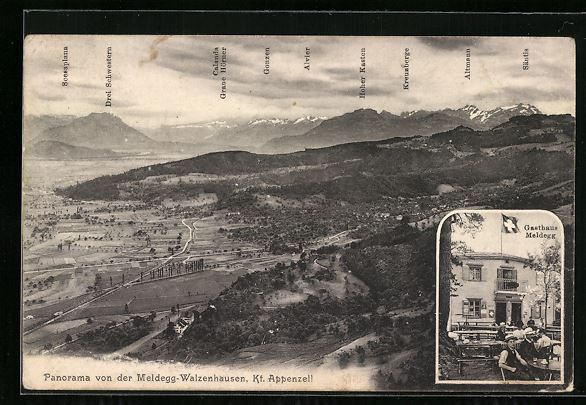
488,238
167,80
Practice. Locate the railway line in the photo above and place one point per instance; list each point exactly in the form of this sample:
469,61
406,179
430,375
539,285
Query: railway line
113,289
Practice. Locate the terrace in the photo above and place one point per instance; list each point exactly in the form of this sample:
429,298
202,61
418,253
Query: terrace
479,351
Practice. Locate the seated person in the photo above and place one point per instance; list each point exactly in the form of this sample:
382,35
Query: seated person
527,348
514,366
501,332
542,343
518,333
519,324
453,335
528,351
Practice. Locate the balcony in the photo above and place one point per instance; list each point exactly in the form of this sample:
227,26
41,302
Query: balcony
506,284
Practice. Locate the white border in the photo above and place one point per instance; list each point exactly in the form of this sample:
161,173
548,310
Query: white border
561,382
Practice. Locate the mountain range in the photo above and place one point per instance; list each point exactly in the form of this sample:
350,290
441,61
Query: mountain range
245,135
104,133
108,132
98,130
35,125
531,148
367,124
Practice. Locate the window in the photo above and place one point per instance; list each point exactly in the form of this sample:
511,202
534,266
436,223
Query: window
475,273
474,307
509,274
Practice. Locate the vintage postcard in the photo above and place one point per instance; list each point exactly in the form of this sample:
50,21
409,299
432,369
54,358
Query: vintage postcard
297,213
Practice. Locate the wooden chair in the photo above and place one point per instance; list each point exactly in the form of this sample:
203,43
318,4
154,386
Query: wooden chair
552,354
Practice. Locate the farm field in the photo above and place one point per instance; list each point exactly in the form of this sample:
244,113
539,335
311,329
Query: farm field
161,295
83,260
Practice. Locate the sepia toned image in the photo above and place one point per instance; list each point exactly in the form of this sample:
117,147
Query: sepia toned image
504,311
260,213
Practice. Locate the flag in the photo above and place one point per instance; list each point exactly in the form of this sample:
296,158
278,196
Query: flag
509,224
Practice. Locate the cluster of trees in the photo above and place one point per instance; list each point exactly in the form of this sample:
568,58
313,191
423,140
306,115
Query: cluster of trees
416,372
106,339
325,274
524,200
345,357
279,247
327,249
128,185
398,268
283,229
235,320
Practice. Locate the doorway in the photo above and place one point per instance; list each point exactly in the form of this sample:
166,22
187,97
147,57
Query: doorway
516,313
500,312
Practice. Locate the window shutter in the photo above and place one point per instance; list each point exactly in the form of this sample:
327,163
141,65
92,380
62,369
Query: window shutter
514,274
465,273
464,307
481,273
499,273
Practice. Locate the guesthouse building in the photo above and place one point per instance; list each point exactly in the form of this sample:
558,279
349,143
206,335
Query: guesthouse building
493,287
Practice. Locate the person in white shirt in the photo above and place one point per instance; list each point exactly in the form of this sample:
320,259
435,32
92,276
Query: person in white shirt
543,343
518,334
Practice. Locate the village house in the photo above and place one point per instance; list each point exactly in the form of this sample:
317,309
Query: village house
182,324
498,288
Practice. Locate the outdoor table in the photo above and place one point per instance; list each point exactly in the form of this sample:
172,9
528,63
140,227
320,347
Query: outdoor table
474,352
485,326
483,348
551,368
476,333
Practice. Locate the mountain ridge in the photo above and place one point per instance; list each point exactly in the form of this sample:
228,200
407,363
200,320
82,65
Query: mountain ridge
367,124
342,165
267,135
103,130
63,151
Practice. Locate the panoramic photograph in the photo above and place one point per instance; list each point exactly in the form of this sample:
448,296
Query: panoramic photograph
261,212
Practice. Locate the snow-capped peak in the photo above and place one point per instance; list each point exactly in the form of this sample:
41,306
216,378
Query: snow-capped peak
519,109
469,107
309,118
211,124
522,107
474,111
284,121
274,121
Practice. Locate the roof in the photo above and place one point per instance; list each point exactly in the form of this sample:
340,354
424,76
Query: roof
494,256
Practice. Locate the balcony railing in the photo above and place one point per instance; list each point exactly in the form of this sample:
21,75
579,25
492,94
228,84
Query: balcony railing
505,284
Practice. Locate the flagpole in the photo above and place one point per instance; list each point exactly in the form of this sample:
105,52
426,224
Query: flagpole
502,234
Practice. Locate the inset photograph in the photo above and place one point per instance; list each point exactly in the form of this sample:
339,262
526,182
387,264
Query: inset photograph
500,297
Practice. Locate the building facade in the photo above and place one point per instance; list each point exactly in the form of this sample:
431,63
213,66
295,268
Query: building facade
491,287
